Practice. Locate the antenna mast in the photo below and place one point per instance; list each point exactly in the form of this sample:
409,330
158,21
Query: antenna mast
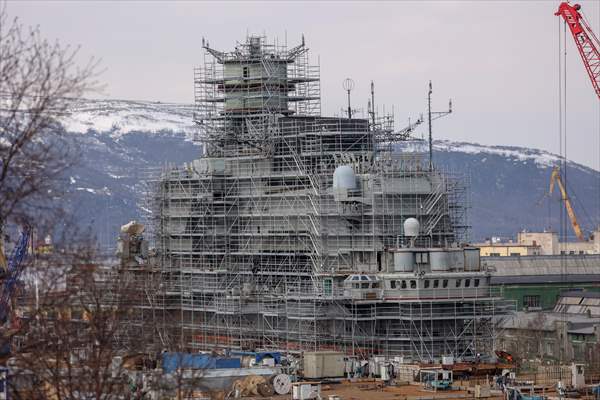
348,86
432,116
373,104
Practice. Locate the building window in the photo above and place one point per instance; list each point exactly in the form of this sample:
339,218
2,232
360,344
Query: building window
393,284
581,252
445,283
531,301
515,254
357,286
427,284
364,285
413,284
571,252
245,72
436,283
422,258
328,286
476,283
494,254
403,284
458,283
467,283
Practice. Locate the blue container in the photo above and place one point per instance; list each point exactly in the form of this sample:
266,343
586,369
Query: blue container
173,361
228,363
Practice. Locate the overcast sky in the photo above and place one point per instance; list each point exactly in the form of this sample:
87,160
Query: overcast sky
497,60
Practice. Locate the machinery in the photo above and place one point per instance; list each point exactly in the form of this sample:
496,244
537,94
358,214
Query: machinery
13,272
586,41
516,393
555,177
436,379
10,279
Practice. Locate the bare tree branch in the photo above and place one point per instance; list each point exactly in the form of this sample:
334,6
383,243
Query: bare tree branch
39,80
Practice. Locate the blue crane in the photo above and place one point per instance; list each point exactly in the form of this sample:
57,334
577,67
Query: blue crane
13,272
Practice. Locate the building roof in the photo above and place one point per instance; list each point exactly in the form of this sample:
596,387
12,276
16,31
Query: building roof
579,302
541,279
588,264
585,330
506,245
545,321
581,293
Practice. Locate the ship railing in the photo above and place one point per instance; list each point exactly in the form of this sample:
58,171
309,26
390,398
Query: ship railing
443,293
311,290
417,312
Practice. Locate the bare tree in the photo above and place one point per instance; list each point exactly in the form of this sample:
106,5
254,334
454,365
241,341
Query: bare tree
70,343
39,80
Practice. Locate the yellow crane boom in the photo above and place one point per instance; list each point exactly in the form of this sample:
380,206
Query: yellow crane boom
555,177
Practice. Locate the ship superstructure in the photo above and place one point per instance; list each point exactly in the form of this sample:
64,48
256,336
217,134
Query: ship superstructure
289,232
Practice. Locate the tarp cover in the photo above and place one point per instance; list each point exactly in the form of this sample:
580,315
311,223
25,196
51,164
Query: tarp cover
173,361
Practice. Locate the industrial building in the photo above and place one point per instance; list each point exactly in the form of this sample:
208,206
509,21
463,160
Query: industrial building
540,243
536,282
550,244
300,232
568,332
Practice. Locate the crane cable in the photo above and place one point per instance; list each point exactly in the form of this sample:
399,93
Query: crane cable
593,36
562,45
597,227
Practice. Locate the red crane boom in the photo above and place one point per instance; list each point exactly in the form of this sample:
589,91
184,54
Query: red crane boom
587,43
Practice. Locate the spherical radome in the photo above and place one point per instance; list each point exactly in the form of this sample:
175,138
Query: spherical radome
411,227
344,178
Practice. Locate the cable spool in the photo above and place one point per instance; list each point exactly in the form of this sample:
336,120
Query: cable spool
282,384
265,389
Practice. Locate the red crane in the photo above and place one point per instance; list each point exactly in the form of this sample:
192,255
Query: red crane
587,43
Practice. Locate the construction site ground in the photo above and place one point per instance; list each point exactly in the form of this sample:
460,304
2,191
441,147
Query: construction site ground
374,389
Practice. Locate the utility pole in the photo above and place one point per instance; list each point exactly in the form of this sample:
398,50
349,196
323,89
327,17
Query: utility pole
432,116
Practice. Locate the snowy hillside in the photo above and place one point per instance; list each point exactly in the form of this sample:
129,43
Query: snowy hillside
119,117
121,141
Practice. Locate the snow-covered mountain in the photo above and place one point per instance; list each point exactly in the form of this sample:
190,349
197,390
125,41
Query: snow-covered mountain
122,141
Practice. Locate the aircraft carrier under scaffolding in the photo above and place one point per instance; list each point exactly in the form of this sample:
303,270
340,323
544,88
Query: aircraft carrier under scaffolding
299,232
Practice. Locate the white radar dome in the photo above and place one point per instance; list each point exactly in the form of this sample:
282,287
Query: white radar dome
344,178
411,227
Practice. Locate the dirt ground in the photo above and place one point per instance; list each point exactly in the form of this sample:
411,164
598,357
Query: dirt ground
374,390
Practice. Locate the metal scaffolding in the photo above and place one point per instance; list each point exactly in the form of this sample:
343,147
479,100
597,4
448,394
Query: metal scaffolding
257,240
